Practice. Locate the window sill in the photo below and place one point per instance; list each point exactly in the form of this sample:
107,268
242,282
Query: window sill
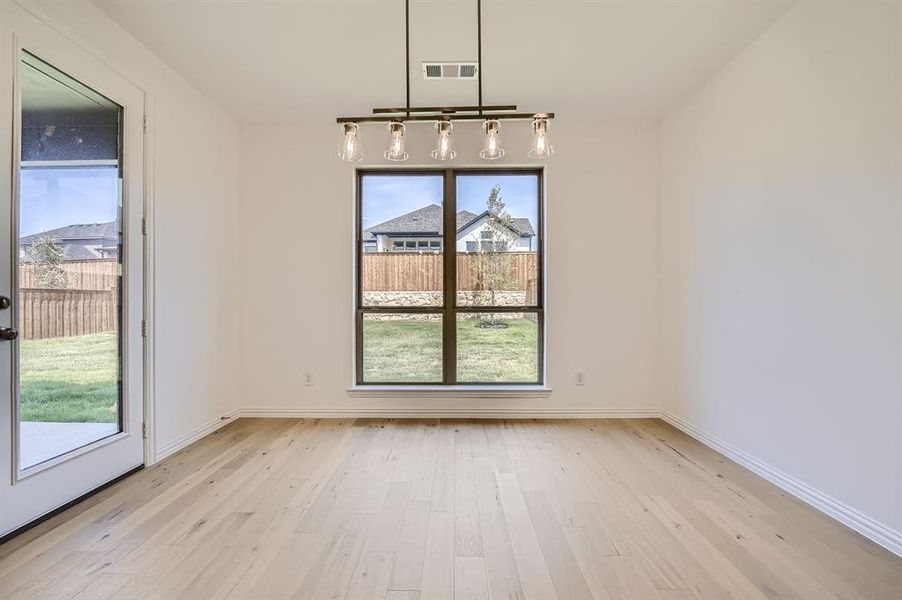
451,391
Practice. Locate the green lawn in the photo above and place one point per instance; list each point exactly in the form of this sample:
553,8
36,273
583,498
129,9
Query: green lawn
411,351
69,379
73,379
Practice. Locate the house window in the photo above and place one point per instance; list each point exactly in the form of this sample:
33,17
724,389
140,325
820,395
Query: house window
446,314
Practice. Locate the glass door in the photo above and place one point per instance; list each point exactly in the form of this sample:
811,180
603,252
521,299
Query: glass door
71,303
69,261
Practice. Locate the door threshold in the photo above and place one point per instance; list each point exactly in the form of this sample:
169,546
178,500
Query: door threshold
47,516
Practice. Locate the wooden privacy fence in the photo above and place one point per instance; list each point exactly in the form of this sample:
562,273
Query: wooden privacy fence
415,271
95,274
57,313
88,303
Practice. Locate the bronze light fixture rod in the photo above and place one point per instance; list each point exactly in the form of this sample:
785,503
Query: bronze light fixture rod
499,116
445,109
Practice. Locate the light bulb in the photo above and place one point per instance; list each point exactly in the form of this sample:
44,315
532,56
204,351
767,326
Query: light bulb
444,147
491,147
396,150
349,146
541,144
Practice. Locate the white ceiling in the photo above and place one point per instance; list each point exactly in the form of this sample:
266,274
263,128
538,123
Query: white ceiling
266,61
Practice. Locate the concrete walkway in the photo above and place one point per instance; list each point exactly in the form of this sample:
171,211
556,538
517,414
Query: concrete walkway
42,441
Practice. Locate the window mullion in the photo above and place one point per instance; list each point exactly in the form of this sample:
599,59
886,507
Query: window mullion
449,291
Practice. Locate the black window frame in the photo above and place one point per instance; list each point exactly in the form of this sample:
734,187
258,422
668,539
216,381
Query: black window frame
449,309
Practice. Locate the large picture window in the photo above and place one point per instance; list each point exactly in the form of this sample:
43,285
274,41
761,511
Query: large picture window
449,277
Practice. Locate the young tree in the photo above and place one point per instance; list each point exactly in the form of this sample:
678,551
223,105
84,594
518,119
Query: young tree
493,259
46,256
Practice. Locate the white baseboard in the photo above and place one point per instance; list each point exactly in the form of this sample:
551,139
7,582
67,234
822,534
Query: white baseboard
875,531
451,413
192,436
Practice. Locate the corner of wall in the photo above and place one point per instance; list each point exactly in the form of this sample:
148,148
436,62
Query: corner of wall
659,385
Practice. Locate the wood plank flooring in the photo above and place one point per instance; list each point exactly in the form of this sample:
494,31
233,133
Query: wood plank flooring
423,510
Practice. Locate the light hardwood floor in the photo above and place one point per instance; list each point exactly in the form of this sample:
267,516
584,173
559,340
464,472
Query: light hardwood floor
396,509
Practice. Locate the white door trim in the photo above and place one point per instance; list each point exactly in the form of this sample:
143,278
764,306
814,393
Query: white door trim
150,445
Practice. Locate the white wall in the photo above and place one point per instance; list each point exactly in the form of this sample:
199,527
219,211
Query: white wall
195,183
297,205
780,217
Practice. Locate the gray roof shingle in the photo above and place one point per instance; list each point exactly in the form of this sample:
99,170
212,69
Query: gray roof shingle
78,231
73,237
428,221
519,224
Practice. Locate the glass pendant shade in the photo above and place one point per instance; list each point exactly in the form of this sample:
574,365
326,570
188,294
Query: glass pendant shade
350,147
396,144
491,147
444,145
541,144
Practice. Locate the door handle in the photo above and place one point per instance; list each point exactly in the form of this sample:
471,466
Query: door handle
8,333
5,302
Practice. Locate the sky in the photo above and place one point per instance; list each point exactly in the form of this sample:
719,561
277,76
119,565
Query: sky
53,197
388,196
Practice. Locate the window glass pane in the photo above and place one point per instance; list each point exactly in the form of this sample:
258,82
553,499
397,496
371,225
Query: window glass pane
68,265
402,348
497,348
395,209
497,240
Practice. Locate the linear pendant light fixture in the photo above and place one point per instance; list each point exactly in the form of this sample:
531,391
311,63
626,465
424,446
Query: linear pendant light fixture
351,149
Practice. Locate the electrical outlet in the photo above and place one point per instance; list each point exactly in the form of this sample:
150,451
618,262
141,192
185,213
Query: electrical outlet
308,378
580,378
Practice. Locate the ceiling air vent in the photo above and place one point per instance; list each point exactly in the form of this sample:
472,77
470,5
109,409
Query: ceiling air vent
468,71
443,70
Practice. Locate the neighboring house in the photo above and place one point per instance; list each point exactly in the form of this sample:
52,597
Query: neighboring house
421,230
83,241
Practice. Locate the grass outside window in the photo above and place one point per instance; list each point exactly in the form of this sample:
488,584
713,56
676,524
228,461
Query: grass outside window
69,379
408,350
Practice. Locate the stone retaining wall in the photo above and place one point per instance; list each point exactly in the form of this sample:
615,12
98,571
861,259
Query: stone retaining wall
481,298
434,299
